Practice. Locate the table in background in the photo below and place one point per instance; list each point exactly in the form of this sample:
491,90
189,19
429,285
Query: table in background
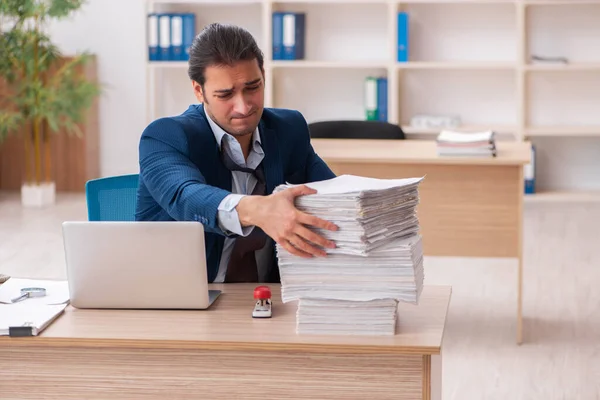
223,353
469,206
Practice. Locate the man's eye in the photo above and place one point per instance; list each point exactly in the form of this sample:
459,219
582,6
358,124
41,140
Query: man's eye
224,96
253,87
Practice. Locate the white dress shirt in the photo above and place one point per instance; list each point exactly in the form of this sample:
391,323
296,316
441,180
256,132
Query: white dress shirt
242,184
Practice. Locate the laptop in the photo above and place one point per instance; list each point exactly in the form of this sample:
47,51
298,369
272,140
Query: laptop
137,265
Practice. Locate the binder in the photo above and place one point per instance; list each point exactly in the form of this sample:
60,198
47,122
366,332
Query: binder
529,174
403,37
152,37
293,36
382,99
176,48
277,35
189,34
164,37
371,98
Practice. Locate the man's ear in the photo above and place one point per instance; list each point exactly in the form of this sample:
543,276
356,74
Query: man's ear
198,92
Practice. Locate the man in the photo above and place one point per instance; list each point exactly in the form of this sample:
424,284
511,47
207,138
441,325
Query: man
218,162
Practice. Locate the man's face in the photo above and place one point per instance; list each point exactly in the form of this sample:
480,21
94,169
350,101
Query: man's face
233,96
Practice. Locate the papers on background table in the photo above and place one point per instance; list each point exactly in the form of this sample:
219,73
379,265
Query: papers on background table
378,260
30,316
451,143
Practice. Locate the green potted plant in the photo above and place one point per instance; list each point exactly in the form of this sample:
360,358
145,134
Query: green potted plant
44,92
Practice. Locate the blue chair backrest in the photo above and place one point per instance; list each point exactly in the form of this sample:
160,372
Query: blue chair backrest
112,198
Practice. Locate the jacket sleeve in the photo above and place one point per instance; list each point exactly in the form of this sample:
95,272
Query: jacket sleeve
174,182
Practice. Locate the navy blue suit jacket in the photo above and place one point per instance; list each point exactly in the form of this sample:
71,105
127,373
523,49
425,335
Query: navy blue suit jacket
182,177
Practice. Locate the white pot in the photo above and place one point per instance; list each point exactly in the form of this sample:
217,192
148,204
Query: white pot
41,195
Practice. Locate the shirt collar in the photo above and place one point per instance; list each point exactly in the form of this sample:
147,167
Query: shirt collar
219,134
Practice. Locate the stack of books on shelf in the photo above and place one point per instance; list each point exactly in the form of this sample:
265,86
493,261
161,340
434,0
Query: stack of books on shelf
377,261
451,143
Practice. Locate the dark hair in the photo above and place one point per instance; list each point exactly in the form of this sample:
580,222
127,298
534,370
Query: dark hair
221,44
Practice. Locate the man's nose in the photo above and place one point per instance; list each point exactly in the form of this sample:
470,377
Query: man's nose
241,106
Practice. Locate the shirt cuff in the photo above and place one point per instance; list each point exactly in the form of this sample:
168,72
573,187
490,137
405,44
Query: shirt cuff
227,216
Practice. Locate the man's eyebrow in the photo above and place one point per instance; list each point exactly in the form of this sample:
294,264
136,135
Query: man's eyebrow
252,82
249,83
224,90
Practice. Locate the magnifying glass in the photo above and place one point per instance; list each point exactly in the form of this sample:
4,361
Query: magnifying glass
30,292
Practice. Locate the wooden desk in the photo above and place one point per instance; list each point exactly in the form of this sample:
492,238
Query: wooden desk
223,353
469,206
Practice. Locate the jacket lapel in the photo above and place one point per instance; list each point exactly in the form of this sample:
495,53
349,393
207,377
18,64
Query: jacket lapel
272,160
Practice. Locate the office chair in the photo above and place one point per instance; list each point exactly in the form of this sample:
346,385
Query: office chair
348,129
112,198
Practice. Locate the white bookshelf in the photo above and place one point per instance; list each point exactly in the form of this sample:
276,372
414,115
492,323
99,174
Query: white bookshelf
467,57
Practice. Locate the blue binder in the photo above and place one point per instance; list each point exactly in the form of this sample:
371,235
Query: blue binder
529,174
403,37
164,37
176,48
152,38
294,36
189,33
277,36
382,99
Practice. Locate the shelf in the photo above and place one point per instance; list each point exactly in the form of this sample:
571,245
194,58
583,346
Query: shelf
328,64
167,64
204,2
457,65
559,2
500,130
563,131
591,196
563,67
328,1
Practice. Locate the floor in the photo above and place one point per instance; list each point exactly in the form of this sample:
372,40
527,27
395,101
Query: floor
560,358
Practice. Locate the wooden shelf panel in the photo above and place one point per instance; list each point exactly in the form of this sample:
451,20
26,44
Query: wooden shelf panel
559,2
563,131
328,64
563,196
563,67
501,130
457,65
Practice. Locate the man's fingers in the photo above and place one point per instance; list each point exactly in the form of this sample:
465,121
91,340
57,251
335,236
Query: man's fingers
311,220
301,244
313,237
293,250
301,190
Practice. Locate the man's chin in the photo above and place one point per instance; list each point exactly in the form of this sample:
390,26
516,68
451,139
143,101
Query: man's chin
243,128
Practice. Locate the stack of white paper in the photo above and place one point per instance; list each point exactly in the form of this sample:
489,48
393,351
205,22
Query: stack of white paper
378,259
450,143
342,317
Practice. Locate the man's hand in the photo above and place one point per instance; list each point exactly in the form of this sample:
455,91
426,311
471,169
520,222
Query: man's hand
277,216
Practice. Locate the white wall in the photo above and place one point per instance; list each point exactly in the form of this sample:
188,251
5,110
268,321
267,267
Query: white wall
121,68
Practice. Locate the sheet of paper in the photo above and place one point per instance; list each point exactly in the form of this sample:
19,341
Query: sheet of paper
22,314
57,292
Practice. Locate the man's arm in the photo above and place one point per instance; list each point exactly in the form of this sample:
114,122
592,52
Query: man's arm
173,180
